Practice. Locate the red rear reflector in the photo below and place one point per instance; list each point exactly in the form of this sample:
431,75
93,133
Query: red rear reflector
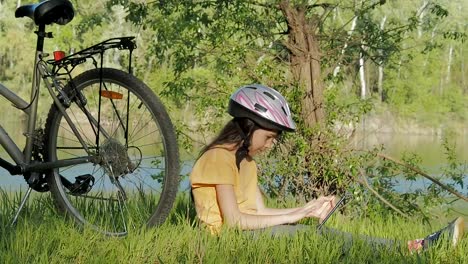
111,95
58,55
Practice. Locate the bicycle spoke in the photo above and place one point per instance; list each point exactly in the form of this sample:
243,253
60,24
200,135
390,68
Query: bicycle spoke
133,141
115,204
148,185
80,128
62,137
158,143
132,133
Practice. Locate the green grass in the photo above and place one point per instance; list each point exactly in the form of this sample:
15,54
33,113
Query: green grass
43,236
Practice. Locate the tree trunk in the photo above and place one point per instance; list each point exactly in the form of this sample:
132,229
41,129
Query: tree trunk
421,17
350,32
381,69
400,62
432,41
362,76
463,80
449,65
305,61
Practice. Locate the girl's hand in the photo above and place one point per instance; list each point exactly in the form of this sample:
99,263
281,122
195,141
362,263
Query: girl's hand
318,208
323,205
305,211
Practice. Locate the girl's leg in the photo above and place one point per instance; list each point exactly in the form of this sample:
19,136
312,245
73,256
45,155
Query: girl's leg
281,230
453,231
348,239
331,233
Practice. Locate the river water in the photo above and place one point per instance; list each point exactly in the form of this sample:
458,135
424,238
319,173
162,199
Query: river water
429,148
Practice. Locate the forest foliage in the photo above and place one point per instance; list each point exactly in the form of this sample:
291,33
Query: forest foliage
362,58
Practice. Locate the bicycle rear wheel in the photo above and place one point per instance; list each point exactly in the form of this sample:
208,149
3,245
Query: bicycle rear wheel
134,178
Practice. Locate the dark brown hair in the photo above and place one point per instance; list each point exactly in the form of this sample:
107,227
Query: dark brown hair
237,131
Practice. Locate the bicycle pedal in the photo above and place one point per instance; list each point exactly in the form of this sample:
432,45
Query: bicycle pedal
82,185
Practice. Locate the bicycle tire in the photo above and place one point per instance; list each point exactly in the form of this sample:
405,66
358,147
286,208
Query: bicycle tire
113,182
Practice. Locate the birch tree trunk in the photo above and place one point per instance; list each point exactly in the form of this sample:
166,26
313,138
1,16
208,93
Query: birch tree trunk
449,64
381,69
400,62
421,16
350,32
464,85
463,80
362,75
432,41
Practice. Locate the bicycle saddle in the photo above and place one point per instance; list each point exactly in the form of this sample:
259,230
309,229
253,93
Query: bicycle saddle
48,12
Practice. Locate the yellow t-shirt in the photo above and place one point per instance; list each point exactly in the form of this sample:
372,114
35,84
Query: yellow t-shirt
218,166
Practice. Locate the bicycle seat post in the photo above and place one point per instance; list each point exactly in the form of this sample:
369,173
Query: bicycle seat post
41,35
44,13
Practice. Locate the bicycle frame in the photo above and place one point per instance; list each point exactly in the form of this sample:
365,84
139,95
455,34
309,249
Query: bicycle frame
23,160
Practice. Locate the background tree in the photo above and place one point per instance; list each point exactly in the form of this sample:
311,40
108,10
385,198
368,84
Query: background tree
336,62
291,45
296,35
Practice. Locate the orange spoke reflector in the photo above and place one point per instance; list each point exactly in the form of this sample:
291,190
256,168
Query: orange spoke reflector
111,95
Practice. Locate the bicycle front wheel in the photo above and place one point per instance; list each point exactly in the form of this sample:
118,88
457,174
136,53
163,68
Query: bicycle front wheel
133,178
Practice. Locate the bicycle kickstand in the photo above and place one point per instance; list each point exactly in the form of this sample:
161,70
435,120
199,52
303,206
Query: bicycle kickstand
23,202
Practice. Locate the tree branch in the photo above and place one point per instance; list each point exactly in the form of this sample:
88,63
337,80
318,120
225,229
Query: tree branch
365,9
385,201
265,5
425,175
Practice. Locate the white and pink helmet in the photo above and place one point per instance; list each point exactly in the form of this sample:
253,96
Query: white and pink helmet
263,105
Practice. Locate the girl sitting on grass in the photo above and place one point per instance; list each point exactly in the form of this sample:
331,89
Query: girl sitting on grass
224,178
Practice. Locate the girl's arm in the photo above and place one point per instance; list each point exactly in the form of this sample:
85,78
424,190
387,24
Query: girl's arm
262,210
323,205
233,217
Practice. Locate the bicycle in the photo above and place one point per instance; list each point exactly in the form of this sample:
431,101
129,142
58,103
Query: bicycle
108,151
